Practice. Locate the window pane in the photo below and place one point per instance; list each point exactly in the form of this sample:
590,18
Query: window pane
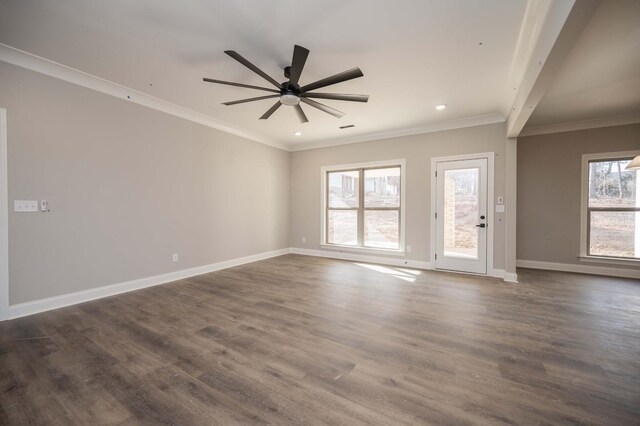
614,234
343,189
381,229
382,187
461,213
342,226
610,185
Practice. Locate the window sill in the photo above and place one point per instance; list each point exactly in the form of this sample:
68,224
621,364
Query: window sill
351,249
610,260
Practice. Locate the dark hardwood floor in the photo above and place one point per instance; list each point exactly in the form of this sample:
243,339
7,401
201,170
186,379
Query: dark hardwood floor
298,339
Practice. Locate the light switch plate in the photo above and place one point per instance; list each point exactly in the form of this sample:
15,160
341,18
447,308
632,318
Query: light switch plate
500,208
25,206
500,200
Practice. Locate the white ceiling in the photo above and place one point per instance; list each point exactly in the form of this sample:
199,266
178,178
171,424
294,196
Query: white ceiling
415,54
601,76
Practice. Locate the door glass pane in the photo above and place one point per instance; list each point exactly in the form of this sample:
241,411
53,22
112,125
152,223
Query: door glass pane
342,227
615,234
343,189
461,213
610,185
381,229
382,187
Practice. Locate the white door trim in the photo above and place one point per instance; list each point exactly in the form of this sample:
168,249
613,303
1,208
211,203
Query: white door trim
4,220
490,156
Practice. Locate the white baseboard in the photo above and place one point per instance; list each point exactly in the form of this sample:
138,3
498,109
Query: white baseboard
510,277
337,254
393,261
56,302
42,305
580,269
496,273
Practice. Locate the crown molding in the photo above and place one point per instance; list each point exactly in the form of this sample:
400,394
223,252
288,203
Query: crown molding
53,69
580,125
50,68
478,120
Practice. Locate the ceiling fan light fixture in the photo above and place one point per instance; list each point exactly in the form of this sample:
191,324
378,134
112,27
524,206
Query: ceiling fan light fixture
289,99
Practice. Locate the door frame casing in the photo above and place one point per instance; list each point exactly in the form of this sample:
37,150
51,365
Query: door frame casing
4,219
490,157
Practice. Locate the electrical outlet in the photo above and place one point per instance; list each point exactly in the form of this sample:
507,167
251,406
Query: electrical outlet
174,257
408,248
23,206
304,239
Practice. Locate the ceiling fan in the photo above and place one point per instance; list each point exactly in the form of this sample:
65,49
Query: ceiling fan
290,92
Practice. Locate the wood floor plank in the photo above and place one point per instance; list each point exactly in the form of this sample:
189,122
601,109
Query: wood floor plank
304,340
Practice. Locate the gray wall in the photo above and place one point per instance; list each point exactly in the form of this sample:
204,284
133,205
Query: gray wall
418,151
549,189
127,187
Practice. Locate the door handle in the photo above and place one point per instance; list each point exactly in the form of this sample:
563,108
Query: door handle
482,225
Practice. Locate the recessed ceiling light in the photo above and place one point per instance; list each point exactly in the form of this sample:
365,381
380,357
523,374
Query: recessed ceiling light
440,107
297,134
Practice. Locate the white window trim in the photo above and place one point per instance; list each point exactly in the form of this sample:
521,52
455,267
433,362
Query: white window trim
323,203
584,182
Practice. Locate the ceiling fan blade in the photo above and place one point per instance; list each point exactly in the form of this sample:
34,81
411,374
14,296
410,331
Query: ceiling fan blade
271,111
241,101
303,118
334,79
297,63
235,55
323,107
337,96
248,86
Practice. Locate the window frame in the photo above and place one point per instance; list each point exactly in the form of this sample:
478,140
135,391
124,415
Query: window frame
361,167
585,210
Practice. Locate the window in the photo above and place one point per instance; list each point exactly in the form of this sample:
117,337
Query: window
611,207
363,206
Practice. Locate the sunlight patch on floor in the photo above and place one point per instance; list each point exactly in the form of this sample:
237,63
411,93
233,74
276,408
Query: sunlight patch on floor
400,273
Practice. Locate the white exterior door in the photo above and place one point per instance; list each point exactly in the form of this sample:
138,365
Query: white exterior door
461,215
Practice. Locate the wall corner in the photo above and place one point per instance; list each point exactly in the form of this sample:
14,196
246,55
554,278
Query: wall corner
511,188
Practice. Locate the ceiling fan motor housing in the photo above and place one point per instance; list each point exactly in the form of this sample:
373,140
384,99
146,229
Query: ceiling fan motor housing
289,93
